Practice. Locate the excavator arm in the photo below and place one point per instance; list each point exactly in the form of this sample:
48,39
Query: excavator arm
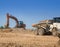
12,17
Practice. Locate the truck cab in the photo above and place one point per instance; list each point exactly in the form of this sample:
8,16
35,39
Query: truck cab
56,22
55,26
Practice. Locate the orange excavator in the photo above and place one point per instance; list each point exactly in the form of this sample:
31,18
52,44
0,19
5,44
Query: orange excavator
19,24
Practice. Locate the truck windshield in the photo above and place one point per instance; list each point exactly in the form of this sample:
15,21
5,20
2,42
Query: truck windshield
57,19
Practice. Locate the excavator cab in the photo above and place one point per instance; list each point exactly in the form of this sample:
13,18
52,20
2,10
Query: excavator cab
21,24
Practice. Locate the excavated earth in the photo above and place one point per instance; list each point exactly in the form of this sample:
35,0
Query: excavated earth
26,38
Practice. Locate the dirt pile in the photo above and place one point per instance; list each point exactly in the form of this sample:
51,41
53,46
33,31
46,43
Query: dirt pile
26,38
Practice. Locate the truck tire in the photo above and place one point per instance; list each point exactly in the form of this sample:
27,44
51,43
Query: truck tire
40,31
54,31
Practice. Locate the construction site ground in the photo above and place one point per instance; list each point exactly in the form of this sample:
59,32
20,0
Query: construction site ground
26,38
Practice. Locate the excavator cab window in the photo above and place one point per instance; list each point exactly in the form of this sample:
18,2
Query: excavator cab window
57,19
21,22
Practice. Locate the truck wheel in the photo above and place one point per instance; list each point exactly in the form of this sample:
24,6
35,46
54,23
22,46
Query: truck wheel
40,31
54,31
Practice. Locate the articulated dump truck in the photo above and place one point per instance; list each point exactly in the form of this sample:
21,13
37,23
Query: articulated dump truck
48,27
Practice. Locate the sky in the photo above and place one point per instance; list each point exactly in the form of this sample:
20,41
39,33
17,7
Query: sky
29,11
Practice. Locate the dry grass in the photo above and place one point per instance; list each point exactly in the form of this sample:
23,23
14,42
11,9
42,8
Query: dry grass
26,38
